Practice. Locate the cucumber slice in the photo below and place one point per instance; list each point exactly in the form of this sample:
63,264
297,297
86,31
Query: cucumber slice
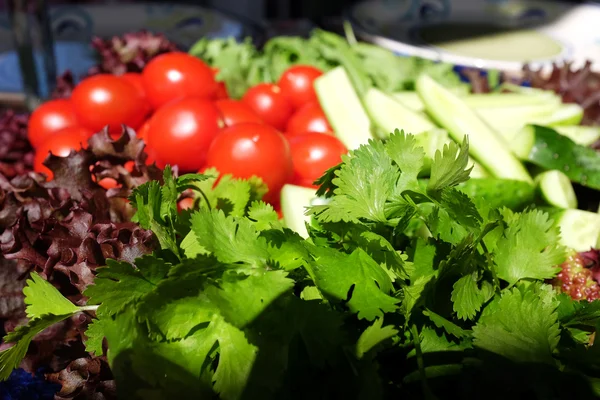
410,100
478,171
501,100
583,135
389,114
343,108
517,114
294,200
580,230
497,193
434,140
555,189
486,146
566,114
546,148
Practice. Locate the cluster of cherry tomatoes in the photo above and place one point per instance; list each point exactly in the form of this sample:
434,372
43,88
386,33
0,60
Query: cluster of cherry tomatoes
277,132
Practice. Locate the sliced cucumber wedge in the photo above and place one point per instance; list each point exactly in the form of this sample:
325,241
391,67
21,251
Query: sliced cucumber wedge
343,108
580,230
555,189
294,200
498,193
546,148
583,135
486,146
388,114
566,114
411,100
502,100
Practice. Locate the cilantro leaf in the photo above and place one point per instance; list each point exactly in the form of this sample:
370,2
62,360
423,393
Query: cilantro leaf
410,158
231,240
42,298
578,312
264,216
449,167
355,279
22,336
236,359
364,183
529,248
460,208
95,336
120,284
373,336
519,325
468,297
450,327
148,201
241,301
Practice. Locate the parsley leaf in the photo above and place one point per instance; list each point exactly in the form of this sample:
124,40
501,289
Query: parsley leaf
42,298
95,336
364,183
449,167
450,327
119,284
22,336
355,279
264,216
242,300
372,336
468,297
529,248
231,240
519,325
236,359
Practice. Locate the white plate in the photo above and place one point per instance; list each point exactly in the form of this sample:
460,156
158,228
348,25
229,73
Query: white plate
399,26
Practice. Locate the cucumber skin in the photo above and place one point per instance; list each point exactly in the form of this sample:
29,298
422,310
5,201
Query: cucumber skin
552,150
498,193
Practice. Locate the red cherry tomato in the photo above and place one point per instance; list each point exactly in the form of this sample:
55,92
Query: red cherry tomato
267,101
297,84
312,154
177,75
249,149
309,118
142,132
60,144
181,132
235,112
49,118
221,92
136,80
185,204
105,99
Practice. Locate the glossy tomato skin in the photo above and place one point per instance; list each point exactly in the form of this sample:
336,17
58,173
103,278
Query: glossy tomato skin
297,84
142,132
309,118
49,118
60,144
267,101
106,99
312,154
235,112
136,80
177,75
249,149
181,132
221,92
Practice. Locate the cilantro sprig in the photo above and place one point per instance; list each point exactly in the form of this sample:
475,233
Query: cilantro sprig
403,289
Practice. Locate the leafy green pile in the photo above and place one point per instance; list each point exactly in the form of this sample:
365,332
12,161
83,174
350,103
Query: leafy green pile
402,290
241,65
